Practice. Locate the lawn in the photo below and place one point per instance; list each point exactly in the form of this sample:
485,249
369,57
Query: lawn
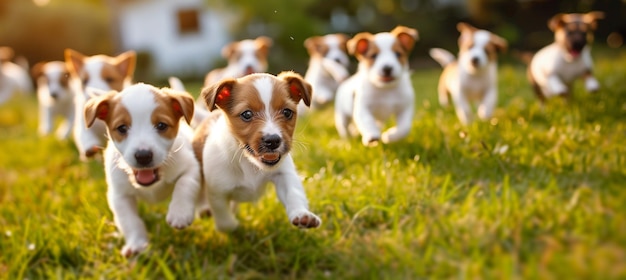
536,192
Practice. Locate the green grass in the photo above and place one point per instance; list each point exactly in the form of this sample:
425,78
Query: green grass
533,193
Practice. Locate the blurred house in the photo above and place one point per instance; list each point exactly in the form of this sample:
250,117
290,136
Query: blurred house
172,37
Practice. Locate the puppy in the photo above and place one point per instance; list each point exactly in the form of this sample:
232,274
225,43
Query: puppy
328,66
381,87
474,76
555,67
55,96
244,57
247,142
14,77
98,72
148,156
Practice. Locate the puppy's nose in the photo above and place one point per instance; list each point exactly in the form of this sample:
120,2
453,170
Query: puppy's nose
338,60
143,157
54,95
271,141
475,61
387,70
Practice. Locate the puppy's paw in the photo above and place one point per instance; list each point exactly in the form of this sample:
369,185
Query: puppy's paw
180,219
226,225
370,141
592,85
305,219
133,248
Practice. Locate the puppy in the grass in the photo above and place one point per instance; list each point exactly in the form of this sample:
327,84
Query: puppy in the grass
380,89
244,57
55,97
554,68
328,66
13,75
149,156
246,144
99,72
474,77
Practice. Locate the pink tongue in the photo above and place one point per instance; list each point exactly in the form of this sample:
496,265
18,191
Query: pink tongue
145,176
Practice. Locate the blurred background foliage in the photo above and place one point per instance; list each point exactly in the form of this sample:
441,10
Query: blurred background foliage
41,32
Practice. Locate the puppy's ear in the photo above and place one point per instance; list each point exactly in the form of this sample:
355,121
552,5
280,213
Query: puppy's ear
406,36
182,103
126,62
37,70
264,44
95,92
311,45
464,27
556,22
359,44
98,107
74,60
228,50
298,88
218,94
6,54
590,18
499,42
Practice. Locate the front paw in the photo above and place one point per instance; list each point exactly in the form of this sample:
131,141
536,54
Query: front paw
132,248
371,141
592,85
180,219
225,225
306,219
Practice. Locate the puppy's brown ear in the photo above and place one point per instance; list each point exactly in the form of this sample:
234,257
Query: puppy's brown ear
98,107
126,62
74,60
37,70
359,44
499,42
590,18
556,22
182,103
311,45
464,27
298,88
228,50
218,94
264,44
406,36
6,54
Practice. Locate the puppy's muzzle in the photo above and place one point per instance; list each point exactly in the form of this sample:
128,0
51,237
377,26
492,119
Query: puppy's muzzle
387,74
269,144
145,176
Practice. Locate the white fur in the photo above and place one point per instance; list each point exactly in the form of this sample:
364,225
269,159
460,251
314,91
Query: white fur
368,102
554,70
179,171
55,100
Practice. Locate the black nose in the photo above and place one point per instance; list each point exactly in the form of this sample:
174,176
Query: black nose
271,141
338,60
143,157
54,95
475,61
387,70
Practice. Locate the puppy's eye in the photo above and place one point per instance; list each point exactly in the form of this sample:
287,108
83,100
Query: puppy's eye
85,81
246,116
161,126
373,56
287,113
122,129
398,54
109,80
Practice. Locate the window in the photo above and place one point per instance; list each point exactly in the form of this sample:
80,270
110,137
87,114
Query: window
188,21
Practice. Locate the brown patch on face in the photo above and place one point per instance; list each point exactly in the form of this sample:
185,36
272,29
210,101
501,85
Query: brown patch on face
118,117
108,109
315,46
574,31
115,71
165,118
112,76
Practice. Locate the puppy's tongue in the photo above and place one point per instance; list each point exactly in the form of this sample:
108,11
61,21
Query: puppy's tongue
145,176
270,157
574,53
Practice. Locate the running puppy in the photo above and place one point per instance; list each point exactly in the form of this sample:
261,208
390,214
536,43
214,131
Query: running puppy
380,89
474,77
555,67
55,96
247,142
149,156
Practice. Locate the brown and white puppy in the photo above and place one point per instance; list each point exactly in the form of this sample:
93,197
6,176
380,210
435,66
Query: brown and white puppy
55,96
328,66
474,77
99,72
247,142
554,68
244,57
380,89
14,76
149,156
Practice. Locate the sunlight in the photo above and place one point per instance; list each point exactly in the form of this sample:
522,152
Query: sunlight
41,3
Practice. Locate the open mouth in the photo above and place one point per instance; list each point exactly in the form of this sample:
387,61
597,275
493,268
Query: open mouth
146,177
270,158
387,79
574,53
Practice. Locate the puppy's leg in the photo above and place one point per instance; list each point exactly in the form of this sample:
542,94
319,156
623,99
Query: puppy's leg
404,121
367,125
181,210
128,222
45,120
442,90
556,86
591,84
488,104
462,107
65,129
291,193
225,220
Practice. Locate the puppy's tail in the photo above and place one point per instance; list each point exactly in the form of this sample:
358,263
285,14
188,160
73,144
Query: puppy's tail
176,84
442,56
